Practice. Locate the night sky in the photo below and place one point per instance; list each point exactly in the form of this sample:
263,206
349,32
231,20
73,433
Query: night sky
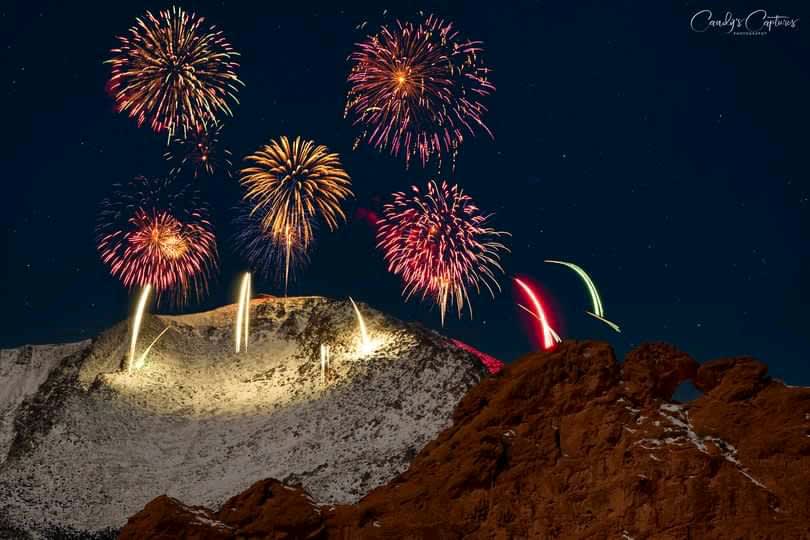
671,165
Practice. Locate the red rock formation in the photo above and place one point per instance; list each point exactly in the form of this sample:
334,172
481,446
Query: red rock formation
654,371
571,444
268,510
166,518
271,510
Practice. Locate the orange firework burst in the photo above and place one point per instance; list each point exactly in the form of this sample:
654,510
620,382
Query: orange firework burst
439,243
173,73
290,185
156,232
416,89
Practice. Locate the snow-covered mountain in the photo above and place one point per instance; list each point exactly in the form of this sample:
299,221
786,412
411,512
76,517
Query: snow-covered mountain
84,444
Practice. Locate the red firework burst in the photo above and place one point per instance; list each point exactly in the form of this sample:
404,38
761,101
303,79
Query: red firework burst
416,89
439,243
156,232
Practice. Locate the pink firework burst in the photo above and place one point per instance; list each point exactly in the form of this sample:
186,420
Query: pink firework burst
439,243
417,89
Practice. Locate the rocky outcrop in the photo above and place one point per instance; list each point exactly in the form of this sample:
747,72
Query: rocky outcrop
268,510
167,518
572,444
732,379
654,371
272,510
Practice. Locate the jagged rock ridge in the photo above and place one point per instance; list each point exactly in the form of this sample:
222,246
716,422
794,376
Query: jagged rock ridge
571,444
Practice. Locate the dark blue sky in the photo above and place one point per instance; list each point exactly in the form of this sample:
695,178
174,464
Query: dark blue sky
670,164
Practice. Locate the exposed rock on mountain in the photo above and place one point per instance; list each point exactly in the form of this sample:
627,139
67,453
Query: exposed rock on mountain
84,445
22,372
572,444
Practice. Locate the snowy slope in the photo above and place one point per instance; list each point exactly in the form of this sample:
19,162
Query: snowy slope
22,371
91,444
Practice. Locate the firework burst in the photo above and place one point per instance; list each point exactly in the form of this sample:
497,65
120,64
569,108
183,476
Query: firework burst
156,232
279,257
173,73
439,243
416,89
200,152
290,186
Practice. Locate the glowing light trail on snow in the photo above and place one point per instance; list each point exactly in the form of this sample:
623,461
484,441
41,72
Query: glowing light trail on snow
142,358
365,343
136,324
243,314
246,317
549,336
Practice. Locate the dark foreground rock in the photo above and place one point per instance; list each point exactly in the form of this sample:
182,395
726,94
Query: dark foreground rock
568,444
268,510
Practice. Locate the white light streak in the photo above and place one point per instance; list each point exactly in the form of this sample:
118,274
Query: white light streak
136,325
366,345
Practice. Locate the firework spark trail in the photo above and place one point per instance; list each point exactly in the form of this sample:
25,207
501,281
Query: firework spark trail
611,324
549,336
287,257
598,310
136,325
276,258
554,335
155,231
239,315
200,151
417,88
174,74
142,358
243,314
291,185
439,243
365,342
246,317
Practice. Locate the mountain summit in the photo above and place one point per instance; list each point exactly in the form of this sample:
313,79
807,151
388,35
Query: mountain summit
84,444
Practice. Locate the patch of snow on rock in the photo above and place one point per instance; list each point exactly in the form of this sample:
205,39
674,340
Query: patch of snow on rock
681,432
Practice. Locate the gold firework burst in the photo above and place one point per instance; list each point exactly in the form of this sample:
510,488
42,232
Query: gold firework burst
173,73
290,185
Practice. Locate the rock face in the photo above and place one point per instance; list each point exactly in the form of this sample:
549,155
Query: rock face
84,445
268,510
22,372
572,444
